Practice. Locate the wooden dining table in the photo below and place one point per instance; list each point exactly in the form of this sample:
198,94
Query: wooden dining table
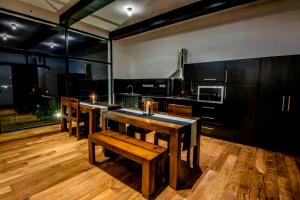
174,130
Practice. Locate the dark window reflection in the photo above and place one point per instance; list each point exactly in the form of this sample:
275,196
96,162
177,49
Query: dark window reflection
33,72
23,33
88,78
87,47
51,44
30,93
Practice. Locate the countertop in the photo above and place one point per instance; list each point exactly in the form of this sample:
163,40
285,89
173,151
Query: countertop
185,98
128,94
188,98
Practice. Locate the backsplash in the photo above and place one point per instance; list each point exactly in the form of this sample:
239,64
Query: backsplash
159,87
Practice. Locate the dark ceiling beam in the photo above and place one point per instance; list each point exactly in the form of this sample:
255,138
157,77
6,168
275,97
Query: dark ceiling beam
196,9
81,10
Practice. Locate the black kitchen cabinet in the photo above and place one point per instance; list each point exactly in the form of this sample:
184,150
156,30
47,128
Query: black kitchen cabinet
239,112
207,72
244,72
211,71
278,101
191,72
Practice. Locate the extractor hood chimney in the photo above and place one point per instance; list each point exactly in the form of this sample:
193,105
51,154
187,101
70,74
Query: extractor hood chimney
182,59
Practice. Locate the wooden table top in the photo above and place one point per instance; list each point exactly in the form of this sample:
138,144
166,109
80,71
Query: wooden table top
148,123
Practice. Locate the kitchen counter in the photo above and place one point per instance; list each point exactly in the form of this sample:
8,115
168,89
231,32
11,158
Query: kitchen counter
129,100
188,98
128,94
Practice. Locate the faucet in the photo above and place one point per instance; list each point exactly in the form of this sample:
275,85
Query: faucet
131,88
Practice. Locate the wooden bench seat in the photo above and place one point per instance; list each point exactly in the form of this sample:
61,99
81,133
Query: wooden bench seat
144,153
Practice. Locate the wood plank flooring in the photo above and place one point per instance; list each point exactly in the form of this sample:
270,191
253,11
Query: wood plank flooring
44,163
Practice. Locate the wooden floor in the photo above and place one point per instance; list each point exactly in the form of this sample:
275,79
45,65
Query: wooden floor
44,163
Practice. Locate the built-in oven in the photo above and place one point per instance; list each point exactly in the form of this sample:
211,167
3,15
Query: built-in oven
210,94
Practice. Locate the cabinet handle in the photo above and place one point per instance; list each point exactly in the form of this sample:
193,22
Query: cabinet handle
282,105
226,76
207,107
209,128
289,102
209,79
225,92
208,117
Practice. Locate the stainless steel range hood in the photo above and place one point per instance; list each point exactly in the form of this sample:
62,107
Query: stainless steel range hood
182,59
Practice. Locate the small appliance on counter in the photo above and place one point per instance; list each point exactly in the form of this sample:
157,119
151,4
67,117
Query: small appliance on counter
210,94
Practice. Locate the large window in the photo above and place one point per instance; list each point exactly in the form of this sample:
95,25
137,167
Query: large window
37,68
86,78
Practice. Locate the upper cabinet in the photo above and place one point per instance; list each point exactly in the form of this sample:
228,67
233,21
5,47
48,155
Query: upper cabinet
242,72
211,71
190,72
207,72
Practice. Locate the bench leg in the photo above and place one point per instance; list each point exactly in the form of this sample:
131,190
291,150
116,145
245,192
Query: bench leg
91,153
148,174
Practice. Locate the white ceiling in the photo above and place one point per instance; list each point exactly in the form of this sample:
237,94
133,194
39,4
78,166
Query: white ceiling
56,6
113,16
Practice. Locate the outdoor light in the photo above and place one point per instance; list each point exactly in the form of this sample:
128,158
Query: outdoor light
57,115
14,27
129,11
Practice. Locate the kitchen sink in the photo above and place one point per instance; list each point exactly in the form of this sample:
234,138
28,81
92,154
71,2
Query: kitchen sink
129,94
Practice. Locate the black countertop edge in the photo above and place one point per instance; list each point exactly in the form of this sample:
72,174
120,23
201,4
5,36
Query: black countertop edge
165,97
157,97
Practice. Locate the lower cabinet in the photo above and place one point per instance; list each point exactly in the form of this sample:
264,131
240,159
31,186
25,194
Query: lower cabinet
127,101
240,112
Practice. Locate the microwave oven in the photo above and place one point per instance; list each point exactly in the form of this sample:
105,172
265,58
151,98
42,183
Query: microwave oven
210,94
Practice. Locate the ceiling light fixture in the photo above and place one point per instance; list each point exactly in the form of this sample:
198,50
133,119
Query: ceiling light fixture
14,27
129,11
52,45
4,37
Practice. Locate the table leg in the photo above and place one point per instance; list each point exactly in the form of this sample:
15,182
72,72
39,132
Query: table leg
92,121
104,120
196,153
175,160
91,152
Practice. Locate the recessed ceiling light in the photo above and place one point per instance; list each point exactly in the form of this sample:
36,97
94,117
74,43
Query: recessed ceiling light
129,10
14,26
4,37
52,45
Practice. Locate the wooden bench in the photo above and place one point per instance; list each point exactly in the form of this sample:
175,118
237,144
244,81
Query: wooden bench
144,153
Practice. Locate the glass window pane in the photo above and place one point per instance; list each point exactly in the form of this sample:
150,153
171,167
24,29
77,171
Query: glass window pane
86,78
87,47
51,44
23,33
32,93
12,58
